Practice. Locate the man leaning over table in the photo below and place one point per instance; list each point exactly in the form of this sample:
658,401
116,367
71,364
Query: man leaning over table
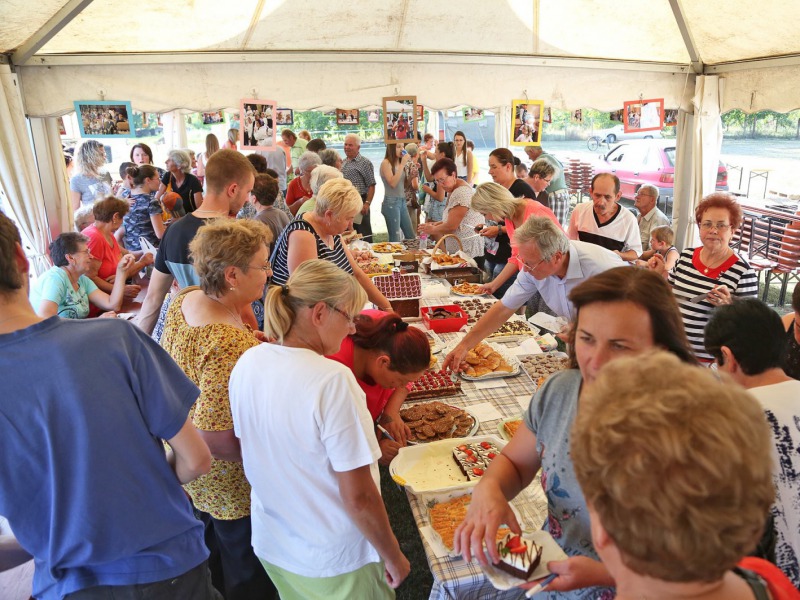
550,264
84,481
604,222
650,216
358,169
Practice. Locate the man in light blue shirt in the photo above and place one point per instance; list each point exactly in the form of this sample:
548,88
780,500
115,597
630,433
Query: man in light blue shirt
550,264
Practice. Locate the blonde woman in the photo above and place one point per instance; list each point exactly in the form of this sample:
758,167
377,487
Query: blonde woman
496,203
90,182
315,480
205,335
232,143
179,179
212,145
317,234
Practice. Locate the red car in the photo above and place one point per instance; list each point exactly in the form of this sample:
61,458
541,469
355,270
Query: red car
638,162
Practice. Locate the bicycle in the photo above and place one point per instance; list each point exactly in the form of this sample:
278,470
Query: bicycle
594,142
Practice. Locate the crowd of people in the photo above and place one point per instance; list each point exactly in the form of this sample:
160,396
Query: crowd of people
660,475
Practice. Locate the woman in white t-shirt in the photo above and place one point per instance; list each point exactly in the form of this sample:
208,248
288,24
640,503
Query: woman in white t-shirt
308,446
463,157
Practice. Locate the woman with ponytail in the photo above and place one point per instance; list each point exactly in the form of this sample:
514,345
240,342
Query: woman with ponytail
308,447
385,355
144,218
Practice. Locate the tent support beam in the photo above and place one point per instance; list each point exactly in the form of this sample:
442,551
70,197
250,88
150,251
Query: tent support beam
686,34
790,60
60,20
154,58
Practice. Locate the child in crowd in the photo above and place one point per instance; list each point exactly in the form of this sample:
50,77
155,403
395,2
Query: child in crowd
661,239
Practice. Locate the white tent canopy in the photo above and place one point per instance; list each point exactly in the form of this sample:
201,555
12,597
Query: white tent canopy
201,55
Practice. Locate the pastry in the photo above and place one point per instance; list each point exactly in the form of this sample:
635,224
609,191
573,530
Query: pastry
433,384
445,517
387,247
474,459
541,366
484,360
512,330
467,289
518,557
511,427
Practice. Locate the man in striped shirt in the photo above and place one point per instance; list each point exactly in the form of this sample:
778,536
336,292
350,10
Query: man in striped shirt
359,171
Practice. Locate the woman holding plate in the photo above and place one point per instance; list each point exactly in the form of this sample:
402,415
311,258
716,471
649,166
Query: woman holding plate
458,218
620,312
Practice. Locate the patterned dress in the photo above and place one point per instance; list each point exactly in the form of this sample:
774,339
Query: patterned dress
207,354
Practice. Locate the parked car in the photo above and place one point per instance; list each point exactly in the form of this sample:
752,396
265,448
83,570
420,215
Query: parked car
639,162
617,133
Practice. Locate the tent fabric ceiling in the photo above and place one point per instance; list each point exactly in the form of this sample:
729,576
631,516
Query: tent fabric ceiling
645,31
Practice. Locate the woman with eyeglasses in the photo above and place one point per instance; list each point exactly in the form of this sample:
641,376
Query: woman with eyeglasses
712,274
205,335
320,528
458,218
66,289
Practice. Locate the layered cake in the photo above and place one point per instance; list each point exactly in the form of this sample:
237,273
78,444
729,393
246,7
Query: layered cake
474,459
518,557
402,291
512,330
434,384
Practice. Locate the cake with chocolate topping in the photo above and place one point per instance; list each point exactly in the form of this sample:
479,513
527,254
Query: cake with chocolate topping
518,557
474,459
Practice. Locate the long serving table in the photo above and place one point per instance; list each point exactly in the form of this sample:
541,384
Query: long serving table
454,577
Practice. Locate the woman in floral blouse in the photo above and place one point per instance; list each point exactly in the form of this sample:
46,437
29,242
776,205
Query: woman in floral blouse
205,335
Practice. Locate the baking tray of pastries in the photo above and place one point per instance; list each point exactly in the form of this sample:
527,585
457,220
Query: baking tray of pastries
489,361
541,366
467,289
387,247
434,421
446,511
442,260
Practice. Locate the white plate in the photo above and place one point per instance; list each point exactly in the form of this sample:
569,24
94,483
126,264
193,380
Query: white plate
476,422
429,500
550,551
455,293
398,249
432,468
511,360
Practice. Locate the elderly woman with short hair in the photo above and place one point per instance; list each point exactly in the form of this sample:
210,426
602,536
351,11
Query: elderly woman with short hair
104,247
711,274
668,523
66,290
317,234
205,335
299,189
179,179
321,175
539,177
496,203
331,158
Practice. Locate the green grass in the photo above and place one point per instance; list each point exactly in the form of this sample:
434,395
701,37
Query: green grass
419,582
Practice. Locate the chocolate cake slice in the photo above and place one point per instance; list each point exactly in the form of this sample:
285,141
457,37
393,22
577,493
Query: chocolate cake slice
518,557
474,459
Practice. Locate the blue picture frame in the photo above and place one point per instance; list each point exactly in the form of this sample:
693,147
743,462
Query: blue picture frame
104,118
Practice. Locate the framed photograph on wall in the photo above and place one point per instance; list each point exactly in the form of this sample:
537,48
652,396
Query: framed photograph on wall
106,119
257,124
576,116
210,118
374,116
616,115
644,115
347,116
473,114
399,118
420,115
285,117
526,122
671,117
547,116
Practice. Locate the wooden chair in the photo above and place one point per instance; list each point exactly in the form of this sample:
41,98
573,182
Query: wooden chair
785,254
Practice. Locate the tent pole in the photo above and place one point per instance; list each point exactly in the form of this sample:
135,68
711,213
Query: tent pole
56,23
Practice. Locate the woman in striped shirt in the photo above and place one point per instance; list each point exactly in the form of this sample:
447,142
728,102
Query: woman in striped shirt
317,234
712,274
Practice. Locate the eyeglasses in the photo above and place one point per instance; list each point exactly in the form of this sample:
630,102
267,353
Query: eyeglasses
528,267
85,251
708,225
441,180
640,195
266,267
351,320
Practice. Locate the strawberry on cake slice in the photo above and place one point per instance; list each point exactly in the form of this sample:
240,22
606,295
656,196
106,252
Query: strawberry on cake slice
518,557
